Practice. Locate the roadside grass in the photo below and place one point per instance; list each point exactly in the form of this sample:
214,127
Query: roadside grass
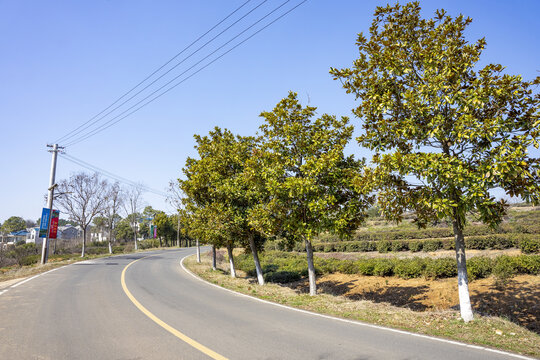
494,332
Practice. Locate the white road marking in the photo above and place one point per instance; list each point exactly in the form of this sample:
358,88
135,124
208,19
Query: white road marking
357,322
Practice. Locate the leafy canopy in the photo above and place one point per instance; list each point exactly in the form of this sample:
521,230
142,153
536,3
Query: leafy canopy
444,132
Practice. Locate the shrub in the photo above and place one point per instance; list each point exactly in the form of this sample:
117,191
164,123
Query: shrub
30,260
282,277
383,267
415,246
431,245
399,246
479,267
384,246
527,264
529,245
504,267
409,268
365,267
440,268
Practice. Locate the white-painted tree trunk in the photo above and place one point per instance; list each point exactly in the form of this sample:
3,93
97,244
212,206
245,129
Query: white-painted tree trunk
135,239
258,268
463,281
311,269
83,243
231,260
110,247
198,252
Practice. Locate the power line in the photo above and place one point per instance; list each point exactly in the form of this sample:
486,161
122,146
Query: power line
109,174
119,117
153,73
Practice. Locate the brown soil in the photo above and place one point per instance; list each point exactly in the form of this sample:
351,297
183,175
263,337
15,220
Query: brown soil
518,299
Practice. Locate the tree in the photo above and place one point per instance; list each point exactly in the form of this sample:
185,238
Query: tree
444,133
307,176
132,206
165,227
29,223
83,197
175,199
14,223
116,198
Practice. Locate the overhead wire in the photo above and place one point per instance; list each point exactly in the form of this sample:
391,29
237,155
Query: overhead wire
119,117
109,174
154,72
162,75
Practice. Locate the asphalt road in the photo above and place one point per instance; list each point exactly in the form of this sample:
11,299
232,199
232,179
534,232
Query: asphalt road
83,311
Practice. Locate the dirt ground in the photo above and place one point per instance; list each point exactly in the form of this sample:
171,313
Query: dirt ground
518,300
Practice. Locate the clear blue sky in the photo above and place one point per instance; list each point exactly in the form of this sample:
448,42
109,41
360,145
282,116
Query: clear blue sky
61,62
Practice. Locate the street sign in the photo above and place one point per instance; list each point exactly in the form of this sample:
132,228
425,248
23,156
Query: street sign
54,224
44,225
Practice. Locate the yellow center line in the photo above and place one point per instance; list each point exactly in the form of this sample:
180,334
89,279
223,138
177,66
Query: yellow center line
163,324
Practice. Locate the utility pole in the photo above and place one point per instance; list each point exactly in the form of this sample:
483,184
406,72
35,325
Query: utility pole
52,185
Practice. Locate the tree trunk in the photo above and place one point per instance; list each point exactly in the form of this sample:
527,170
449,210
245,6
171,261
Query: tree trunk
178,233
198,252
214,267
135,238
463,281
159,241
231,260
83,243
110,246
260,277
311,269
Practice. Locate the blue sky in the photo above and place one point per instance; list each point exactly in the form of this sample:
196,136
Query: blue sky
62,62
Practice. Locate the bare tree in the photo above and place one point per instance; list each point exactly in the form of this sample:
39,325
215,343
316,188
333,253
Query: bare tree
116,198
83,196
175,199
132,206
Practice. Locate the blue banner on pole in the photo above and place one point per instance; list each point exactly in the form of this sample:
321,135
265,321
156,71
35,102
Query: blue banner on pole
44,225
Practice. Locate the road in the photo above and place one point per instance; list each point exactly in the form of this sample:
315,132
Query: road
120,308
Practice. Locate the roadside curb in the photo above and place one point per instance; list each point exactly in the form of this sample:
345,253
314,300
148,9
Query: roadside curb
358,323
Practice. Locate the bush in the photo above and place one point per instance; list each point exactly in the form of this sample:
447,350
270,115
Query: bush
479,267
399,246
282,277
440,268
431,245
383,267
529,245
504,267
30,260
415,246
409,268
384,246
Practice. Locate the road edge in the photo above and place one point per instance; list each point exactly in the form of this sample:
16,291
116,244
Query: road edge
356,322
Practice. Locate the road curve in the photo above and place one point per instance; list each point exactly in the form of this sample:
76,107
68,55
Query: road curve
153,309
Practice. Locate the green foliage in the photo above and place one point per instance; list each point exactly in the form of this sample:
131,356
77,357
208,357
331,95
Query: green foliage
306,175
409,268
14,223
384,246
529,245
429,114
431,245
479,267
415,246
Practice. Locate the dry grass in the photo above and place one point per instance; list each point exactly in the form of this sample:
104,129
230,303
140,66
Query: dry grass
487,331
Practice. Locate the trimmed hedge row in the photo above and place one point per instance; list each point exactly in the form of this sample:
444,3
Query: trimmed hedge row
528,243
286,267
408,234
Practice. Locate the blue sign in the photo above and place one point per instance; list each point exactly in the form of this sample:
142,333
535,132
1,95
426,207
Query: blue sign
44,225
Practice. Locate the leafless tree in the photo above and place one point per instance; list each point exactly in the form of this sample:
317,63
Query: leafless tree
132,207
82,197
175,199
115,201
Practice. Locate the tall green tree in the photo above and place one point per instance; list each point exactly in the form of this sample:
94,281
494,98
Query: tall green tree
14,223
308,178
445,132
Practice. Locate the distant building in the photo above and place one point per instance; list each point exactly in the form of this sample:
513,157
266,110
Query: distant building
69,232
17,236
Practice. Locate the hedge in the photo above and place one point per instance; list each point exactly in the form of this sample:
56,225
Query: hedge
528,243
284,267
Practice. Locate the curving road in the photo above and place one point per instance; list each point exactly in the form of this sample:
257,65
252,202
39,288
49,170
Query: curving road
120,308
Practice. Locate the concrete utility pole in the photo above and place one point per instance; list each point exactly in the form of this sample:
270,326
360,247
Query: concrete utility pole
52,185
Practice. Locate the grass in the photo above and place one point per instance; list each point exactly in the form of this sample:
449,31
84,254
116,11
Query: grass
486,331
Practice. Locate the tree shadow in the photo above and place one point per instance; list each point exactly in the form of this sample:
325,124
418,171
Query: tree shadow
518,302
